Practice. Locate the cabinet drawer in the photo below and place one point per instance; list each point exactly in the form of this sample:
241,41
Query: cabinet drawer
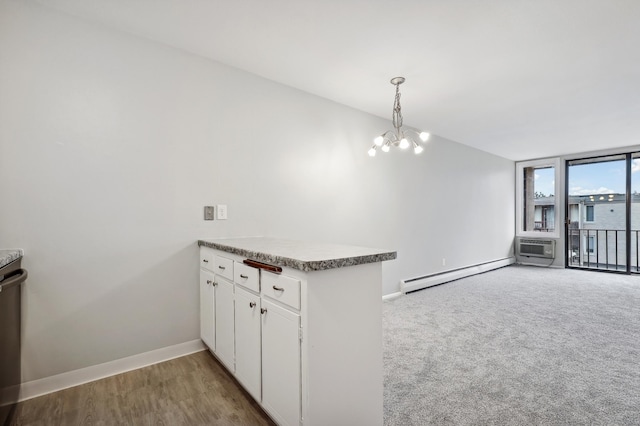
246,276
223,267
282,288
206,258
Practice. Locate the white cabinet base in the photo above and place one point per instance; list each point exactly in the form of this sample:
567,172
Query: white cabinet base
207,313
314,357
225,346
342,346
281,384
248,342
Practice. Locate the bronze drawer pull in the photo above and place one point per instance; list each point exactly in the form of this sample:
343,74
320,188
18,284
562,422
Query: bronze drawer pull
278,288
205,260
209,282
252,304
263,310
222,267
243,276
261,265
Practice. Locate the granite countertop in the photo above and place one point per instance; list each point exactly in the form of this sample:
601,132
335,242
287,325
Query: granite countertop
9,255
301,255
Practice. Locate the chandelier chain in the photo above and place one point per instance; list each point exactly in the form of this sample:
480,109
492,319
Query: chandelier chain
397,111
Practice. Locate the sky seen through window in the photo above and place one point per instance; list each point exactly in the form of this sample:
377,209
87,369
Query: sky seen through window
594,178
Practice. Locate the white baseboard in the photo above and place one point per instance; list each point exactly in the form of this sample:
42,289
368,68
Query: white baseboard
392,296
69,379
419,283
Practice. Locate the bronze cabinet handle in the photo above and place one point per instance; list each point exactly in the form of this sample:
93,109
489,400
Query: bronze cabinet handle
244,276
252,304
260,265
278,288
263,310
205,260
209,282
222,267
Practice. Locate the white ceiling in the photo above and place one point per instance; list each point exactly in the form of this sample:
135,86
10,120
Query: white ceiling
519,78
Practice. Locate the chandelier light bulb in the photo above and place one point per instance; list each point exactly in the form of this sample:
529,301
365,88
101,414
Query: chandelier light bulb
404,143
424,136
418,149
385,147
378,141
372,152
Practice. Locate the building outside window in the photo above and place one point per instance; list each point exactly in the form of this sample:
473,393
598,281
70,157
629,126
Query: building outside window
596,230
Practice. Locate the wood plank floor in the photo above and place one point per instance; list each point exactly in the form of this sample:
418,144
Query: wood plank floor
191,390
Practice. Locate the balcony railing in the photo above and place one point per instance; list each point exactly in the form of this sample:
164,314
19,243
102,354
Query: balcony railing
603,249
541,226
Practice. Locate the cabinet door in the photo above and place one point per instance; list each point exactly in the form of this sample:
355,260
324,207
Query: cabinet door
207,310
281,388
224,322
248,341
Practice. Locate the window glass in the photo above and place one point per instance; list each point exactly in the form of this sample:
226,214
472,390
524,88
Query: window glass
597,189
635,213
538,204
589,213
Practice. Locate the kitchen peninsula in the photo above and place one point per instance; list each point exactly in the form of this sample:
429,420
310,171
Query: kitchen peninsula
298,324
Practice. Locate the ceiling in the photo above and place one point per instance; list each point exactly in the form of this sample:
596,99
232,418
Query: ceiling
522,79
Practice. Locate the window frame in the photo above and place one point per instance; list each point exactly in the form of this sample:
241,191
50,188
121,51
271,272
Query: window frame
543,163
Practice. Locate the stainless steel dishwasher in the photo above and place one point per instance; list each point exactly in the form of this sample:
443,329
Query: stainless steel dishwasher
11,278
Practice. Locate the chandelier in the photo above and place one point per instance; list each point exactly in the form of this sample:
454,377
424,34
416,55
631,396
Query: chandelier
399,137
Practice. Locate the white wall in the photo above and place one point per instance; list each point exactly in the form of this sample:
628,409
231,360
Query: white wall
110,146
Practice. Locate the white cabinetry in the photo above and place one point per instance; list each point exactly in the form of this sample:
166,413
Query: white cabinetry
217,305
281,381
247,277
224,322
207,303
306,345
248,342
282,289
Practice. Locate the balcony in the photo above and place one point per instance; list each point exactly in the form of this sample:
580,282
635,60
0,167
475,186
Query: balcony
542,226
603,249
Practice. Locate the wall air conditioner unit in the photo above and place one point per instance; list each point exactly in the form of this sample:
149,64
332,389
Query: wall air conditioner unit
536,247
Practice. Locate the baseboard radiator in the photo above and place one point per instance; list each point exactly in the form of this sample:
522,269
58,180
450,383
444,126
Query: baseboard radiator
418,283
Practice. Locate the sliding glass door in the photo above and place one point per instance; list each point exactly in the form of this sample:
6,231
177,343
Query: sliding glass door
634,211
603,213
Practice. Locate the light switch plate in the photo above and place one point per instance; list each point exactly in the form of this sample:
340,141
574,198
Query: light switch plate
222,211
208,212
